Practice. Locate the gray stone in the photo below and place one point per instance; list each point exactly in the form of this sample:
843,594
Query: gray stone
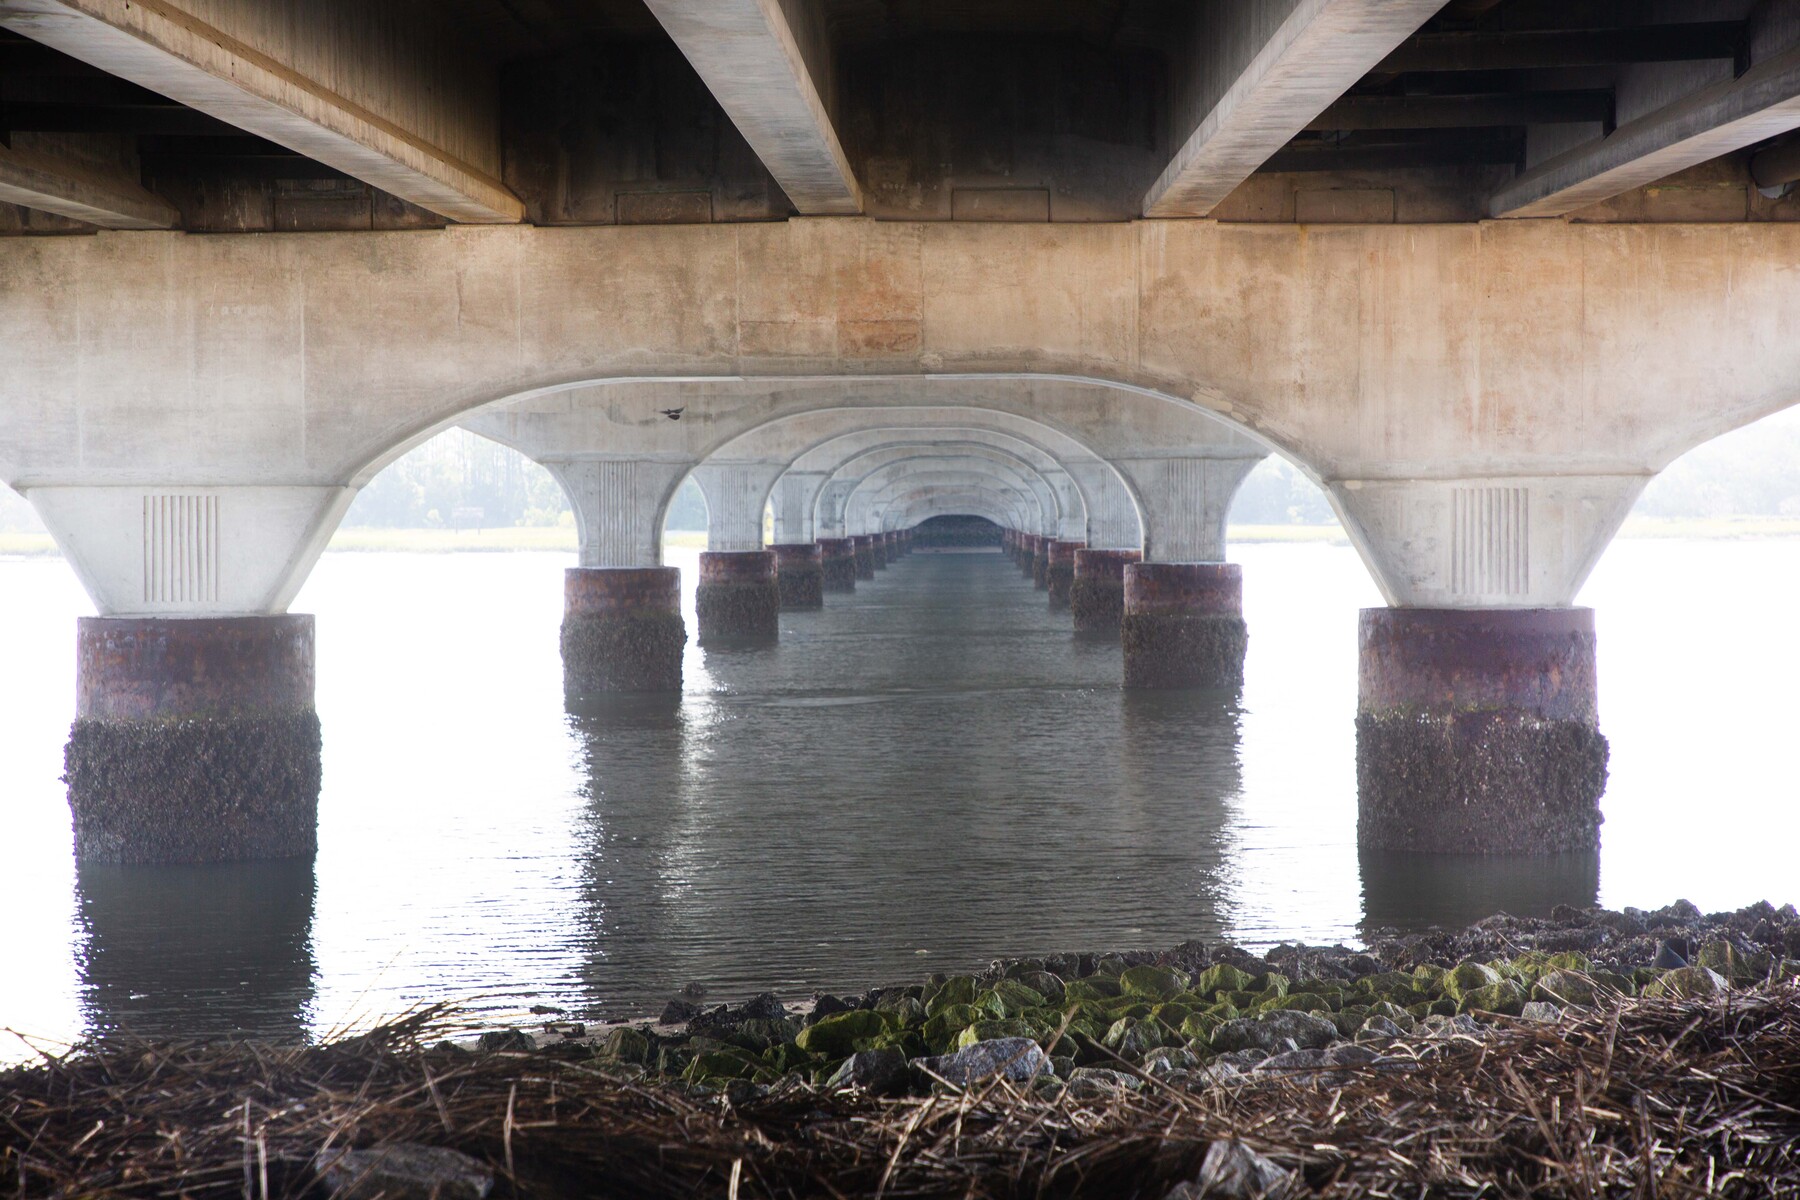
1540,1010
403,1171
506,1039
1233,1171
1103,1079
882,1072
1015,1058
1378,1029
1272,1030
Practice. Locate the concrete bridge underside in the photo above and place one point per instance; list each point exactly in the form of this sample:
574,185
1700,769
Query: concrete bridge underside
1482,403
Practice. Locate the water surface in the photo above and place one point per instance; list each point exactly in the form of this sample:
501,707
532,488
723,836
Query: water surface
923,776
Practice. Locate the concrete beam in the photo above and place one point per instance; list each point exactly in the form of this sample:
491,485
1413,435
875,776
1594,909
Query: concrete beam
1312,58
1715,120
751,59
160,46
71,189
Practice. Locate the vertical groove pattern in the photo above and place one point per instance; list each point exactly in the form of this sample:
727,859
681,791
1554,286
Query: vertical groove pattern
181,549
615,500
1490,541
1186,483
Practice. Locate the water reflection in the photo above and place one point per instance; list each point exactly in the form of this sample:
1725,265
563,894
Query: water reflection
197,951
1405,890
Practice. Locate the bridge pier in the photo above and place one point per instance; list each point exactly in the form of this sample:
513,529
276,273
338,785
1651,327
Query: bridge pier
1097,592
1040,562
1059,571
837,564
1183,625
1477,730
195,740
738,597
799,574
622,630
865,555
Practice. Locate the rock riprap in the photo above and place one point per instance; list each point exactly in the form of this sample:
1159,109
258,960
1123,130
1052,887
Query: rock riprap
1201,1015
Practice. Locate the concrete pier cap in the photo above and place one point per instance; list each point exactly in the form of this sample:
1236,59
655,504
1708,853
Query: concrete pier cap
195,739
1183,625
1478,731
622,630
800,574
738,597
1097,593
837,564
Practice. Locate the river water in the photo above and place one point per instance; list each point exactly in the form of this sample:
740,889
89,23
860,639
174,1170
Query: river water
925,775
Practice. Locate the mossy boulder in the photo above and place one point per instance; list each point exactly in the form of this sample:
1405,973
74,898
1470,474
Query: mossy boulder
1049,986
1567,988
626,1045
1720,957
1467,976
1688,983
957,990
1153,983
987,1031
1091,989
1221,977
1504,997
716,1066
1132,1039
1012,997
844,1033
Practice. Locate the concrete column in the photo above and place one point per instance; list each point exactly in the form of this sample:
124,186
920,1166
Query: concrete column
738,597
878,548
194,740
1183,625
1097,595
799,574
837,562
1040,563
1477,731
865,555
622,630
1059,571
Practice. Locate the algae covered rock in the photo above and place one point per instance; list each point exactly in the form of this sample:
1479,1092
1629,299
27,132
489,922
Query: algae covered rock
1504,997
1688,983
1467,977
626,1045
1221,977
1568,988
958,990
842,1033
1012,997
1153,983
1132,1039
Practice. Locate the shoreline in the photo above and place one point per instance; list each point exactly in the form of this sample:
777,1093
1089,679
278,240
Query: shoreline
557,539
1568,1056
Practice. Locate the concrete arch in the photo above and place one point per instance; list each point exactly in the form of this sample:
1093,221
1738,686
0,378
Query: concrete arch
864,503
1181,467
970,499
845,484
915,512
1107,495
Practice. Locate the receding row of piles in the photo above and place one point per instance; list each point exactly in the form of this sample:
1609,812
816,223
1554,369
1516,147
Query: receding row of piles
1182,624
622,628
